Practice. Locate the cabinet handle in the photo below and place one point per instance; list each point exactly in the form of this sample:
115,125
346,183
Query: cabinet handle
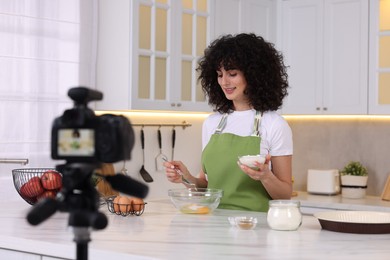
325,108
178,104
317,108
173,104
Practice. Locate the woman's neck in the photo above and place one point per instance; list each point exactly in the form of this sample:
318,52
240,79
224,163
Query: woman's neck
242,106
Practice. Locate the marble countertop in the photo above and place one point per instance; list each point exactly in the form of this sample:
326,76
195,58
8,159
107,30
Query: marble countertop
311,203
164,233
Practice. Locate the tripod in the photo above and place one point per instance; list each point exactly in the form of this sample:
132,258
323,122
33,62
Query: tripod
80,198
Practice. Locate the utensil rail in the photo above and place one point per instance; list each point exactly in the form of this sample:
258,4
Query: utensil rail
183,124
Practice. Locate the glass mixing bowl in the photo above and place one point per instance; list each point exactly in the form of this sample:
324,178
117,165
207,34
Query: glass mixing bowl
195,200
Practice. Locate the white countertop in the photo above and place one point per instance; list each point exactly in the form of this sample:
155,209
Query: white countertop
311,203
164,233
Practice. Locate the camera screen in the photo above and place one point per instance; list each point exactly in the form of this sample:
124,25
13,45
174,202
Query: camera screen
76,142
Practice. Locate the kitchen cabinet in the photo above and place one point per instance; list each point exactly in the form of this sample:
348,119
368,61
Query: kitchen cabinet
51,258
325,44
148,50
236,16
17,255
379,63
147,54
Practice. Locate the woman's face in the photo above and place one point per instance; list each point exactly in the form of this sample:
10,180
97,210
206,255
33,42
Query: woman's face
233,84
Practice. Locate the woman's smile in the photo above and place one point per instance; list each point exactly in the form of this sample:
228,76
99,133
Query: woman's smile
229,91
233,84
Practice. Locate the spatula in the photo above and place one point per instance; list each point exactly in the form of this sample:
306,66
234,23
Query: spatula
160,158
144,174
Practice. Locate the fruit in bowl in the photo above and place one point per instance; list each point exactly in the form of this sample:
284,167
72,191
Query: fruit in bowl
34,184
250,160
195,200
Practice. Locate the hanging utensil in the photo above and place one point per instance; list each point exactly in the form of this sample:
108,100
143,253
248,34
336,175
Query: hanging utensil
160,157
173,142
144,174
124,170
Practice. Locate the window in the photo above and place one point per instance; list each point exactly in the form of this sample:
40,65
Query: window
42,55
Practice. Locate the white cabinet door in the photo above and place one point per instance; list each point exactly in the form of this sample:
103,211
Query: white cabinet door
16,255
250,16
325,43
346,56
51,258
302,46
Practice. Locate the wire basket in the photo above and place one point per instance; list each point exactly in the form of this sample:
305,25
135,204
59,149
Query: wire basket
125,209
33,184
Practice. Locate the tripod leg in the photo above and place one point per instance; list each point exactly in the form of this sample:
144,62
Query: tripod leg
82,238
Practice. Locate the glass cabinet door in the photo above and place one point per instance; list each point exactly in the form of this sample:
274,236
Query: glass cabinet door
384,52
168,39
380,57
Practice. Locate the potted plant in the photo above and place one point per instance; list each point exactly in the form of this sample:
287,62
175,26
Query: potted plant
354,178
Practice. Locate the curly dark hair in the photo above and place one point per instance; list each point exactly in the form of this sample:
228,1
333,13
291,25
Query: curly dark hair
261,64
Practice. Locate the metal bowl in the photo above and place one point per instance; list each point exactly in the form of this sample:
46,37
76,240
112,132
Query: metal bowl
32,187
195,200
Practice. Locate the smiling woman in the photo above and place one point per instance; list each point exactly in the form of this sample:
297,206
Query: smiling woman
45,49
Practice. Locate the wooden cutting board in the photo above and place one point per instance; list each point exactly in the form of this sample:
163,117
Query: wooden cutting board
386,190
103,187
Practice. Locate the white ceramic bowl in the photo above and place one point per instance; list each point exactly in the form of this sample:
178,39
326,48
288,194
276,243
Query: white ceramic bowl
249,160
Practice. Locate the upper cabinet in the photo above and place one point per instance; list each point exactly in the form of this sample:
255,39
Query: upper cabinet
148,52
236,16
379,77
325,44
148,49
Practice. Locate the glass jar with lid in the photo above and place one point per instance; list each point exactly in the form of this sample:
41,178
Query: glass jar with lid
284,215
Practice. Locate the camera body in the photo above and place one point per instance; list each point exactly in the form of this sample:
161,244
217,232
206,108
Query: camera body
81,136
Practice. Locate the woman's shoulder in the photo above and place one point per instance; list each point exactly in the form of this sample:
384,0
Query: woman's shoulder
274,119
212,118
273,116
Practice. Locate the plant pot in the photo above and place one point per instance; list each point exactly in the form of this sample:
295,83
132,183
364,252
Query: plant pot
353,187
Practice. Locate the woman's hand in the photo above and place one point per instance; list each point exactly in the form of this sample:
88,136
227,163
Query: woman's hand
261,172
174,170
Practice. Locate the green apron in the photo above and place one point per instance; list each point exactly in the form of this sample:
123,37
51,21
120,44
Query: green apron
219,162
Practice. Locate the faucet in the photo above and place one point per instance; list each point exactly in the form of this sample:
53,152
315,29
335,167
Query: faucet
14,161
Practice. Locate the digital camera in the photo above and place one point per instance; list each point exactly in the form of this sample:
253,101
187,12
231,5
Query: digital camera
81,136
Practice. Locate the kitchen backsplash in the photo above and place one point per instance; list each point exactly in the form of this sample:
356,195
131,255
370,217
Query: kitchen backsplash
318,144
326,143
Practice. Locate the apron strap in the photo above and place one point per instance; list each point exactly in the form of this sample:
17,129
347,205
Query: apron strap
256,124
255,131
221,124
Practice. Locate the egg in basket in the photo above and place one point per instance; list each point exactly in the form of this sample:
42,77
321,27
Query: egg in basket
124,205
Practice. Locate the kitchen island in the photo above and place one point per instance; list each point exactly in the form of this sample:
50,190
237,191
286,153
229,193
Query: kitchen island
164,233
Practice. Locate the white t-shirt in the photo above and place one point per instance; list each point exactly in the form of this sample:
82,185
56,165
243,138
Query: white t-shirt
276,135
